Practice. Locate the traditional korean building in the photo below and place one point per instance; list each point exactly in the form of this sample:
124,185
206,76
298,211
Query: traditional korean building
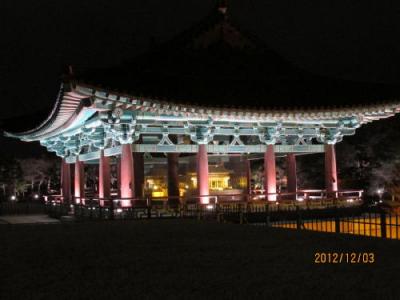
213,89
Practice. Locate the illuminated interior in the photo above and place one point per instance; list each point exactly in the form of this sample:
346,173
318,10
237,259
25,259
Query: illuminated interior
218,181
156,185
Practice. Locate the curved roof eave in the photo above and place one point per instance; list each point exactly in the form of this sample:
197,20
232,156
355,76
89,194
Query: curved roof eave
68,111
71,111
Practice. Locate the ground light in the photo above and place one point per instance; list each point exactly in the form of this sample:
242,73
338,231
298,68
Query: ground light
380,193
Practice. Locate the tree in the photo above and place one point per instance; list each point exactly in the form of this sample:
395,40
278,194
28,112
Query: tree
11,175
36,171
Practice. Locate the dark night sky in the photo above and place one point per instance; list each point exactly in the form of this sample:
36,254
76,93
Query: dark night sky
358,41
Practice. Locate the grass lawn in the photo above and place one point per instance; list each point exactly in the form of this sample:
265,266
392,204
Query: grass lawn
188,260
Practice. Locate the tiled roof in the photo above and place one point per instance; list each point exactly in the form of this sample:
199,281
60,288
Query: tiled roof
215,63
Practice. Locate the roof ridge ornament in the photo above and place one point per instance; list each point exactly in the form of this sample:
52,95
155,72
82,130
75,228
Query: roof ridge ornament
222,6
70,70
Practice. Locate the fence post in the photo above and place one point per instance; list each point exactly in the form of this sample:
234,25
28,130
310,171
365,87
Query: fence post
383,223
267,216
148,208
198,212
184,209
240,214
217,212
298,218
337,220
73,210
91,209
111,209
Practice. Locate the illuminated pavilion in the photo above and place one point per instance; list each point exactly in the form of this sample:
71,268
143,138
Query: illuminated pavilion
213,89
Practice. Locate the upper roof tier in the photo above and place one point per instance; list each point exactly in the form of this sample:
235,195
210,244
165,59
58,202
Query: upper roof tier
214,72
215,63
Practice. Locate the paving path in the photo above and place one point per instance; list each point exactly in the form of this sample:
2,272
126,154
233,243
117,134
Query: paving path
27,219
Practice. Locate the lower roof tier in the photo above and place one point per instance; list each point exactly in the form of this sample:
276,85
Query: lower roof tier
86,118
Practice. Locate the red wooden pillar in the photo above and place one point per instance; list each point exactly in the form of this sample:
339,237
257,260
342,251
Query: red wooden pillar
291,173
173,179
65,181
104,178
127,176
330,169
79,182
270,173
202,173
118,164
138,159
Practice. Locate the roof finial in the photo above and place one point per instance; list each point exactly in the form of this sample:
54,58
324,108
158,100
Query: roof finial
70,70
223,6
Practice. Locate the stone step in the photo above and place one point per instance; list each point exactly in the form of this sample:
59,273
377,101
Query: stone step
67,219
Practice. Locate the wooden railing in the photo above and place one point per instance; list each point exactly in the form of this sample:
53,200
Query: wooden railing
308,197
116,207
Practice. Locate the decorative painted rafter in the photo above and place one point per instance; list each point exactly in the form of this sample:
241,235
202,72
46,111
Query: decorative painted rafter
120,126
87,119
217,149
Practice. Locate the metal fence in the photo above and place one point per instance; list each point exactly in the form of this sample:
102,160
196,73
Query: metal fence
369,223
373,222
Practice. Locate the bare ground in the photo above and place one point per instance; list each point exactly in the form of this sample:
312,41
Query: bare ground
188,260
27,219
